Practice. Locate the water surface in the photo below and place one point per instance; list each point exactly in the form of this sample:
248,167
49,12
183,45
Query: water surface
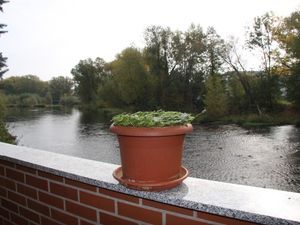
264,157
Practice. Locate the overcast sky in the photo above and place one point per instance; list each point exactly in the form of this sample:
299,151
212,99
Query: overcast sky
48,37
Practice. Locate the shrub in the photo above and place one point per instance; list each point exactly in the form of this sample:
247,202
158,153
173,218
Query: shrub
5,136
28,100
216,101
69,100
2,107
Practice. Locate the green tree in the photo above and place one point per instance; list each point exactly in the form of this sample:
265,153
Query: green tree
24,84
60,86
237,99
88,75
288,36
3,66
216,100
261,38
293,86
175,61
129,85
237,71
215,48
158,56
5,136
189,56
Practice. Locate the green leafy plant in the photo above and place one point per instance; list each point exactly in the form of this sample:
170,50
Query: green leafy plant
152,119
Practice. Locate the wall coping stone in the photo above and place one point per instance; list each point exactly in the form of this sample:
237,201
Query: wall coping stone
254,204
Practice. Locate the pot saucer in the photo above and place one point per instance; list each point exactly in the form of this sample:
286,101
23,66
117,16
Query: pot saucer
150,186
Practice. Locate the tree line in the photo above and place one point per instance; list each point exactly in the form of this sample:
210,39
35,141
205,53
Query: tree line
196,69
5,136
187,70
29,90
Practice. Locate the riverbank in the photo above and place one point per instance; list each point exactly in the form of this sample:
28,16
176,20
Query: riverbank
253,120
5,136
287,117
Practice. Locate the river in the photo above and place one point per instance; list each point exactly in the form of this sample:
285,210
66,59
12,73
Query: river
263,157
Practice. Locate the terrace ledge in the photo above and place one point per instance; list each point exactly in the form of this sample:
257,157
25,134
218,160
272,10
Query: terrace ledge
253,204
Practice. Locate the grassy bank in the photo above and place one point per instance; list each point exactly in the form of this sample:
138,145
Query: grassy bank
5,136
284,117
252,120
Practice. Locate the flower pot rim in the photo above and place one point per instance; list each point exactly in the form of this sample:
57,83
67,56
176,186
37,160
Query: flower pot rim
151,131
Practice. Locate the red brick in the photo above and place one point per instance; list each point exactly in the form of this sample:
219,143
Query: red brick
107,219
47,221
175,220
97,201
167,207
64,191
15,175
119,195
51,200
26,169
3,192
38,207
4,213
9,205
50,176
7,183
18,220
81,211
6,163
37,182
29,215
222,219
64,218
81,185
1,170
16,198
135,212
28,191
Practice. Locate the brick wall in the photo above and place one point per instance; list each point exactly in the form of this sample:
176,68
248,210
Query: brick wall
30,197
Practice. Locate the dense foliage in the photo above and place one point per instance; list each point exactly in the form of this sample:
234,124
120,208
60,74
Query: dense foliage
196,69
3,67
187,71
152,119
59,87
88,75
29,91
5,136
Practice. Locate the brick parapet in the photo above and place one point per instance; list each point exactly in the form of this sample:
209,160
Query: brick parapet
35,197
40,187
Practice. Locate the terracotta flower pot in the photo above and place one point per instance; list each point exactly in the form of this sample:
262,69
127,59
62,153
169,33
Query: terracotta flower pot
151,157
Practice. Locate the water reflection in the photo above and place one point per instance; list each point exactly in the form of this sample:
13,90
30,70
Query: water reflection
93,116
264,157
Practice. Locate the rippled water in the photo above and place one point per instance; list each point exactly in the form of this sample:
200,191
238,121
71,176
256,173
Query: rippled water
265,157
